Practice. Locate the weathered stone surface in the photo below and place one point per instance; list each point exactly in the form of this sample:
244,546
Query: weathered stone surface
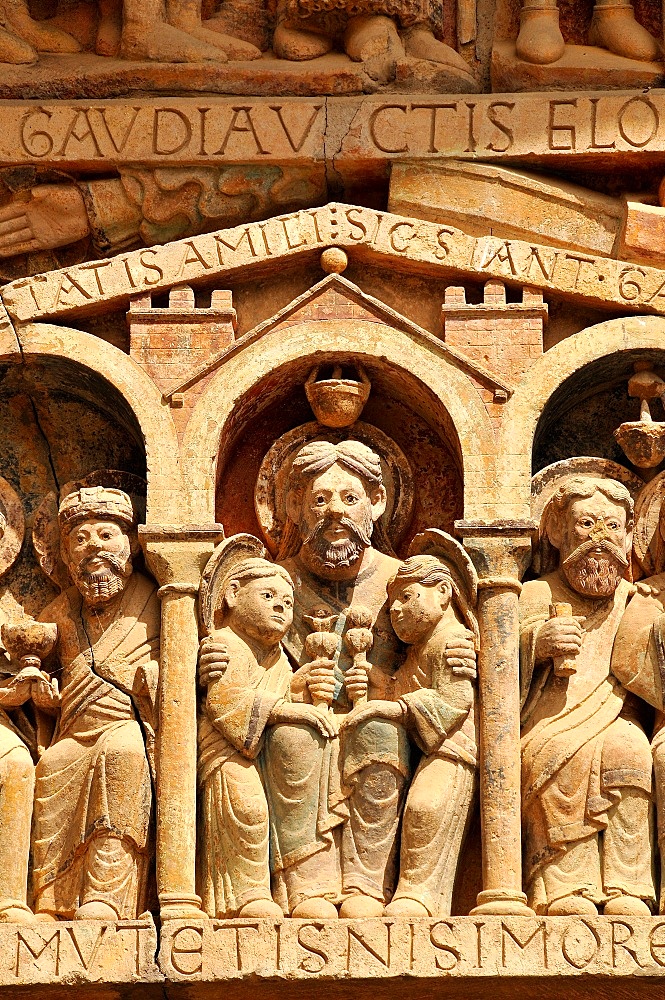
474,947
185,130
74,954
424,247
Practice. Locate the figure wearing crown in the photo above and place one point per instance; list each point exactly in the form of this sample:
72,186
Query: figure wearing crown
93,784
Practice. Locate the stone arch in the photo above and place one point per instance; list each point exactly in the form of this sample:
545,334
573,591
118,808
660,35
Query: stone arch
570,362
103,364
435,380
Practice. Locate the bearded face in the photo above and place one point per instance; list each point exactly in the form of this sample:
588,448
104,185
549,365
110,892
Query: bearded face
336,520
592,545
595,568
98,555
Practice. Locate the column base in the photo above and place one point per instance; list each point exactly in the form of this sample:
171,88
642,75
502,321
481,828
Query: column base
176,906
502,903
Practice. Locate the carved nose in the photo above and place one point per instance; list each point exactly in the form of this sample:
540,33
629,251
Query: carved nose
599,531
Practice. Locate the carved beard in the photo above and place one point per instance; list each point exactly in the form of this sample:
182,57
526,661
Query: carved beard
596,575
345,552
102,584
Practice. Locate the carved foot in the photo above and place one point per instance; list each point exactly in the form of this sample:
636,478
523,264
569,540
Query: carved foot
233,48
109,31
297,44
373,41
14,50
356,907
614,27
241,21
261,908
405,907
166,44
95,910
626,906
41,35
316,908
420,43
572,906
540,40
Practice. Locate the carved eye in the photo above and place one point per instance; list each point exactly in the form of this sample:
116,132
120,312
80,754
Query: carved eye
586,522
351,498
320,500
80,538
614,525
267,594
288,603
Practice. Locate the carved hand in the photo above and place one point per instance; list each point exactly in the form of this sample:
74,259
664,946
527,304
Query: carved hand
213,661
374,710
321,680
559,637
52,215
308,715
15,691
356,683
460,654
45,694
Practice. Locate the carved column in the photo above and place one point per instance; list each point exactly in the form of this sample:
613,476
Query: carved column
176,557
500,551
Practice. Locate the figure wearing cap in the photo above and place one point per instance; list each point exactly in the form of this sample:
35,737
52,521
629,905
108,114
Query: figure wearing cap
93,784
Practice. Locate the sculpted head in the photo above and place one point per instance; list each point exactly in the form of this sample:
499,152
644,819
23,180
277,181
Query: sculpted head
335,497
258,600
420,594
98,540
589,520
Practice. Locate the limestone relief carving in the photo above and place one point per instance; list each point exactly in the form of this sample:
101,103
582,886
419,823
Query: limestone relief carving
543,44
93,789
126,28
586,759
309,746
144,206
389,41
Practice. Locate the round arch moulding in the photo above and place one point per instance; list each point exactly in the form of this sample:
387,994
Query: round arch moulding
369,342
106,362
527,405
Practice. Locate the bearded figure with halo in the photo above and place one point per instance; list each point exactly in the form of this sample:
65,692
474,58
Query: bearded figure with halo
586,761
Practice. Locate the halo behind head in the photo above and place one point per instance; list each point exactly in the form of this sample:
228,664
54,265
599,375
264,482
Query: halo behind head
546,483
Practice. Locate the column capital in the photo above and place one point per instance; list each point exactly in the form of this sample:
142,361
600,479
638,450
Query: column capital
500,550
176,556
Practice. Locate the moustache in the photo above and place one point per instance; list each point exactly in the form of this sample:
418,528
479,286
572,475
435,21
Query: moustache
120,564
605,545
356,531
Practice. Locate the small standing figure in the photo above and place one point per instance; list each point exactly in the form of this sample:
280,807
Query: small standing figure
433,695
248,690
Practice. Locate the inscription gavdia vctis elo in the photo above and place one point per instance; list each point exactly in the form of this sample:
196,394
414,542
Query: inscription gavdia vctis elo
421,247
195,951
249,129
78,952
